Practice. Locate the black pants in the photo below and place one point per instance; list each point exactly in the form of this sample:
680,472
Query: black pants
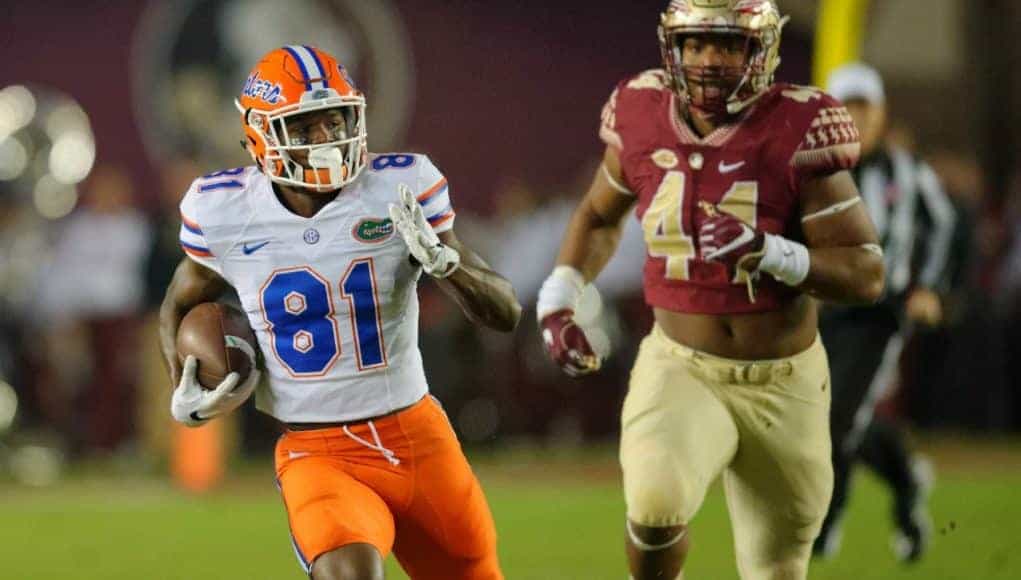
864,347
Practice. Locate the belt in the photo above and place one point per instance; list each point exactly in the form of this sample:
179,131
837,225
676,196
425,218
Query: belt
728,371
753,373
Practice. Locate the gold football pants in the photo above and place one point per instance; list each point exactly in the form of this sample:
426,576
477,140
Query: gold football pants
690,416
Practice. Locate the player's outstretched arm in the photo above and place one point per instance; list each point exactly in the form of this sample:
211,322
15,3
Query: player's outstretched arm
846,261
486,298
191,285
591,238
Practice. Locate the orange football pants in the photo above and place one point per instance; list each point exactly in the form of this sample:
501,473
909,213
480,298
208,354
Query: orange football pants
400,482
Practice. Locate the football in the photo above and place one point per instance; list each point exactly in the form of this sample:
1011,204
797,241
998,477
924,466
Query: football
218,336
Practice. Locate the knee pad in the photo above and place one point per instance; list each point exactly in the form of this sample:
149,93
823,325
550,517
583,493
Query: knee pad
657,493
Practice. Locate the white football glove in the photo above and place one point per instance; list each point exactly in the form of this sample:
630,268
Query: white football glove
193,405
436,258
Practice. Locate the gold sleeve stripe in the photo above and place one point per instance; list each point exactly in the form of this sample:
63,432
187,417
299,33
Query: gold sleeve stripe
611,137
831,210
874,248
613,182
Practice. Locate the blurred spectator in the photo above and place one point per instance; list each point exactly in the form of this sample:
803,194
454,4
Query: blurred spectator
165,249
153,417
90,300
1009,293
22,249
1009,278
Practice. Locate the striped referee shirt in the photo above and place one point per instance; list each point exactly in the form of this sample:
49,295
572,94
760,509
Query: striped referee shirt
913,217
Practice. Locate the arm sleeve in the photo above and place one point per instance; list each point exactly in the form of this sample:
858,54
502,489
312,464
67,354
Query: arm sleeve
192,237
941,216
433,194
830,142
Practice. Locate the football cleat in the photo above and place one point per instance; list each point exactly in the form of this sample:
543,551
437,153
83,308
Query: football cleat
295,80
730,90
914,525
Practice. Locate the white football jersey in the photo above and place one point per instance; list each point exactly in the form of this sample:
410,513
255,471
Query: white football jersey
332,298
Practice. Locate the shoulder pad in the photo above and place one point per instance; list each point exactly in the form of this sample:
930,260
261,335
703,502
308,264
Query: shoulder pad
654,79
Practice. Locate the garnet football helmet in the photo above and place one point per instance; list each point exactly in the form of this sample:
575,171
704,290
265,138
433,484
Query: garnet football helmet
295,80
758,21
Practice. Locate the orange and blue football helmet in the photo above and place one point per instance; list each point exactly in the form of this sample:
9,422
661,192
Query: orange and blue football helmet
294,80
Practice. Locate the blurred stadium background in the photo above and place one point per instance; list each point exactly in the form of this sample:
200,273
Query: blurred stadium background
108,109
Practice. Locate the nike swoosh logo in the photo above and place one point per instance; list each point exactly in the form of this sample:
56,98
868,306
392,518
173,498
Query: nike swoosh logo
724,168
251,249
297,454
747,235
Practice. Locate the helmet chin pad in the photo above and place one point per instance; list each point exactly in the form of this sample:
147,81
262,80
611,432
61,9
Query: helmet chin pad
329,158
326,168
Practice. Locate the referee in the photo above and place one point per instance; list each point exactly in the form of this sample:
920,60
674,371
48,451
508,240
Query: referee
915,222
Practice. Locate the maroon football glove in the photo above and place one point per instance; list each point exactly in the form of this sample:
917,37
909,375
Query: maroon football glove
724,238
566,344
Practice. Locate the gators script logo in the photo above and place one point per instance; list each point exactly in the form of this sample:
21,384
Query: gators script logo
373,230
258,88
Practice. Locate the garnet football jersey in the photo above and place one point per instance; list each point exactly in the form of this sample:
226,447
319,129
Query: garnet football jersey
331,298
751,169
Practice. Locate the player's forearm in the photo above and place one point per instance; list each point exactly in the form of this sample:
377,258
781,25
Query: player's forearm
485,297
171,314
849,275
191,285
589,243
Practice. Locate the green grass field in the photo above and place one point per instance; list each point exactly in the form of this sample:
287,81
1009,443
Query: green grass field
559,517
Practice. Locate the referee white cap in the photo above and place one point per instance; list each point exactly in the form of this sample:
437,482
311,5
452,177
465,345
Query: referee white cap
856,81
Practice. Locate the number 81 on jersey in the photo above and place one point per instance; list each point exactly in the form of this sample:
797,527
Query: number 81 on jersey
297,304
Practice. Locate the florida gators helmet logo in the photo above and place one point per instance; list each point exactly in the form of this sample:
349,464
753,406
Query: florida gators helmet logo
289,82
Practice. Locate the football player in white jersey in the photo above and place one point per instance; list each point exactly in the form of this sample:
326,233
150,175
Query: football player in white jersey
324,243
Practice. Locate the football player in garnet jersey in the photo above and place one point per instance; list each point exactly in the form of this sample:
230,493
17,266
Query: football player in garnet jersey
324,243
743,192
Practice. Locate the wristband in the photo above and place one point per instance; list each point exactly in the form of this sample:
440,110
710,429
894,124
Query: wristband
786,260
560,291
